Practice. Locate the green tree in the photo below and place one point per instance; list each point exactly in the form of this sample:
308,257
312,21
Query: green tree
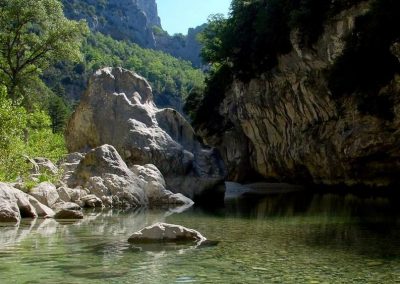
33,35
13,121
58,112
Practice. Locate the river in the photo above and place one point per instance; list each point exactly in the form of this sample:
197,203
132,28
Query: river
298,237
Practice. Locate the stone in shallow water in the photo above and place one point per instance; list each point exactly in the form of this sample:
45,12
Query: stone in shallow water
68,214
163,232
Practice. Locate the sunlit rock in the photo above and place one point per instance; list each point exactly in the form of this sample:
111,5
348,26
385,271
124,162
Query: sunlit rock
118,109
15,204
163,232
46,193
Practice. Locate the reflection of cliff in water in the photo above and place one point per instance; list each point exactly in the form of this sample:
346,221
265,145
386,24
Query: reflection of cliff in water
332,221
304,203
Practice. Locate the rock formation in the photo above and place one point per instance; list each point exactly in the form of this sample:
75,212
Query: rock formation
118,109
111,183
185,47
135,21
287,126
121,19
15,204
163,232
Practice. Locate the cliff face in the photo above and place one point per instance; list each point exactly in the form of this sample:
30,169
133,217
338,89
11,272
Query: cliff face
121,19
184,47
134,20
287,126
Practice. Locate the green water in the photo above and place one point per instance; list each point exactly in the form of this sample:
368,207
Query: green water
291,238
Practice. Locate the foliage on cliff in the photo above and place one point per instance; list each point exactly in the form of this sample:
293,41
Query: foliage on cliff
257,32
165,73
367,62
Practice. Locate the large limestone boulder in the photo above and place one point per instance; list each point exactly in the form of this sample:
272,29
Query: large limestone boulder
15,204
163,232
111,183
118,109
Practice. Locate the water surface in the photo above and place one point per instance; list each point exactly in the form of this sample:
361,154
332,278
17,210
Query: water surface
289,238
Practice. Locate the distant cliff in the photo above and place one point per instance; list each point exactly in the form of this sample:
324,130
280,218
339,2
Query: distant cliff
121,19
325,113
136,21
184,47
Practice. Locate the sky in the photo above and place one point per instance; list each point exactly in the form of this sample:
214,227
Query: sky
179,15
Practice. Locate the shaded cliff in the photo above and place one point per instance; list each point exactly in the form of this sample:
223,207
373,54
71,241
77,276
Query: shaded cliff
327,111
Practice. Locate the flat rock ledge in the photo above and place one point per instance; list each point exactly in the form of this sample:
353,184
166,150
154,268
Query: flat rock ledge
166,233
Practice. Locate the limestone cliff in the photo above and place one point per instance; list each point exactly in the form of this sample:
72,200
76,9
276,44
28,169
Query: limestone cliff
121,19
184,47
286,124
136,21
118,109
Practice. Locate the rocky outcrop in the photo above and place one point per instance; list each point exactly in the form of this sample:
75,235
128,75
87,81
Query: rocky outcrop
287,126
163,232
149,8
122,19
118,109
15,204
186,47
112,184
136,21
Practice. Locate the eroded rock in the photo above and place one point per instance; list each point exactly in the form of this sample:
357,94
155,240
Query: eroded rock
288,126
46,193
111,183
118,109
15,204
68,214
163,232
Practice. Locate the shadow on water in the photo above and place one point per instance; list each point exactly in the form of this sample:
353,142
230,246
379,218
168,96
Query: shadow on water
364,223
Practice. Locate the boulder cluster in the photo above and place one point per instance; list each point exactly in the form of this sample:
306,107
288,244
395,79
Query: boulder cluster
124,152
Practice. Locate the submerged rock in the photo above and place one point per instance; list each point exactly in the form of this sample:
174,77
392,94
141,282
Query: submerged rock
118,109
163,232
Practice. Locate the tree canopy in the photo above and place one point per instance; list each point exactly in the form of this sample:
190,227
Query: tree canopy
33,35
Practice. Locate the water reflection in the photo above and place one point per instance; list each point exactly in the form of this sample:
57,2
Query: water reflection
103,222
307,203
299,237
367,225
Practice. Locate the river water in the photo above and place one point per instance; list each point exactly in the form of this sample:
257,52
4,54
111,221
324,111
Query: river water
296,237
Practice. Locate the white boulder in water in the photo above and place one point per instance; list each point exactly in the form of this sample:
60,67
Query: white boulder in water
163,232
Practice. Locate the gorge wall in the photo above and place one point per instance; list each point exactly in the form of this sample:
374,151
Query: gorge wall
121,19
136,21
287,125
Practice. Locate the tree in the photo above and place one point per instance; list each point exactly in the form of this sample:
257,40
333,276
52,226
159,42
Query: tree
33,35
58,112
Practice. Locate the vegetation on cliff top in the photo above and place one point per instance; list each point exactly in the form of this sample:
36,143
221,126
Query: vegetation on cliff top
165,73
249,42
